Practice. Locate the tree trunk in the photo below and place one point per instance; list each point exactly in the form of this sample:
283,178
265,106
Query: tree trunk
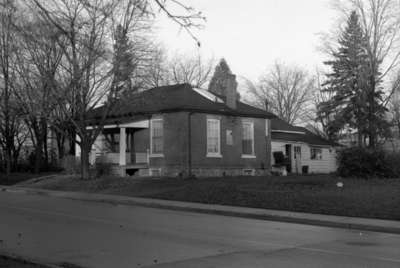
16,153
60,139
8,160
85,150
45,149
72,143
360,138
37,135
372,119
38,156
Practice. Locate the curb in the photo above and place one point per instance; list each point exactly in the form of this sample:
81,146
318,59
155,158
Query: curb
362,224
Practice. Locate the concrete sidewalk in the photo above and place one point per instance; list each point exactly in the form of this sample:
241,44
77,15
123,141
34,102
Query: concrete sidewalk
364,224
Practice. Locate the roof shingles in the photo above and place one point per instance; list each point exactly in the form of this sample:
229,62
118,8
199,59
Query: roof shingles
286,132
174,98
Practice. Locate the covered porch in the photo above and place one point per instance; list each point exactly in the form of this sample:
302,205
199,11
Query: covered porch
125,146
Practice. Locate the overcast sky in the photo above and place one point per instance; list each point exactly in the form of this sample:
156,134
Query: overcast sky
252,34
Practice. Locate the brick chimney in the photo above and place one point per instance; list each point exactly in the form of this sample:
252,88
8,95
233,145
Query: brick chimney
230,91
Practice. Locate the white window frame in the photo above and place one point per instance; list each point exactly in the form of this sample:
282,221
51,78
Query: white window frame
151,137
218,153
253,154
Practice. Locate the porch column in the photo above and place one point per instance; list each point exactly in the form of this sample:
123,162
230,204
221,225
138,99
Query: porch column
122,146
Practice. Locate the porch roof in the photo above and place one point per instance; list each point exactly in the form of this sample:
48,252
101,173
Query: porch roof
173,98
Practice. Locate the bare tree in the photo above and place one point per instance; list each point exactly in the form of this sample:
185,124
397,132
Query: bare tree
90,74
181,68
9,114
288,91
193,70
37,66
187,17
156,72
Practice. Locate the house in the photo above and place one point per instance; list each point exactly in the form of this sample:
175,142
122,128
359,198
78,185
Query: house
305,151
179,130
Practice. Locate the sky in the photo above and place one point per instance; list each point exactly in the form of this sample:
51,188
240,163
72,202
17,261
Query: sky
252,34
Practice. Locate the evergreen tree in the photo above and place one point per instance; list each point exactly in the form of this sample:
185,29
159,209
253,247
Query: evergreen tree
217,83
123,61
348,83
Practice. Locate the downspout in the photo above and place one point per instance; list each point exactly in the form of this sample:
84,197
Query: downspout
189,159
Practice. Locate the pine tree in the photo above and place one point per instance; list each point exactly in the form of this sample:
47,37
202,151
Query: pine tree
217,83
348,83
123,61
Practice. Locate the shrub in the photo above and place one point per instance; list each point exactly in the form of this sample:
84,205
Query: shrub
393,162
367,163
103,169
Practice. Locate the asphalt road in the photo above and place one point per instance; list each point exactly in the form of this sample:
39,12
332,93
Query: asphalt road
104,235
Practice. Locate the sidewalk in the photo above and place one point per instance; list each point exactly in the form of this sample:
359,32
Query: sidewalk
364,224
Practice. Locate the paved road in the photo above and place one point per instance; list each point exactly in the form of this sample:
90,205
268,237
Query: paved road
103,235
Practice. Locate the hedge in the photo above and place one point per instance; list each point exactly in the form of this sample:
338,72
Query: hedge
367,163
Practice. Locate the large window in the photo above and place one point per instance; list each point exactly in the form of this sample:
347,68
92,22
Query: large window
315,153
157,137
213,138
248,138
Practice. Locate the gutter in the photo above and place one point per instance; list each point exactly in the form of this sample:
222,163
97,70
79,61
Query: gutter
288,131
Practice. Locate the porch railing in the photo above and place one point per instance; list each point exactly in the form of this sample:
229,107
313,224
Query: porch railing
113,158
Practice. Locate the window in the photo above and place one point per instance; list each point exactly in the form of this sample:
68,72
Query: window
266,127
213,138
297,152
315,153
248,138
156,133
111,142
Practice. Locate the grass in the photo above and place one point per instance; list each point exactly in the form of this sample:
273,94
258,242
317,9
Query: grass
373,198
18,177
7,262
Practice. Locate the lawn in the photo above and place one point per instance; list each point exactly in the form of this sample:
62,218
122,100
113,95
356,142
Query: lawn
11,262
374,198
6,262
17,177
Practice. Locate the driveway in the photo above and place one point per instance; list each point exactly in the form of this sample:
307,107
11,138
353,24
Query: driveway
94,234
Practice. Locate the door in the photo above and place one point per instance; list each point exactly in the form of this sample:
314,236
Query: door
297,158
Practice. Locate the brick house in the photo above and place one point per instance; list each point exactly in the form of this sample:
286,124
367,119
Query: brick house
179,130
